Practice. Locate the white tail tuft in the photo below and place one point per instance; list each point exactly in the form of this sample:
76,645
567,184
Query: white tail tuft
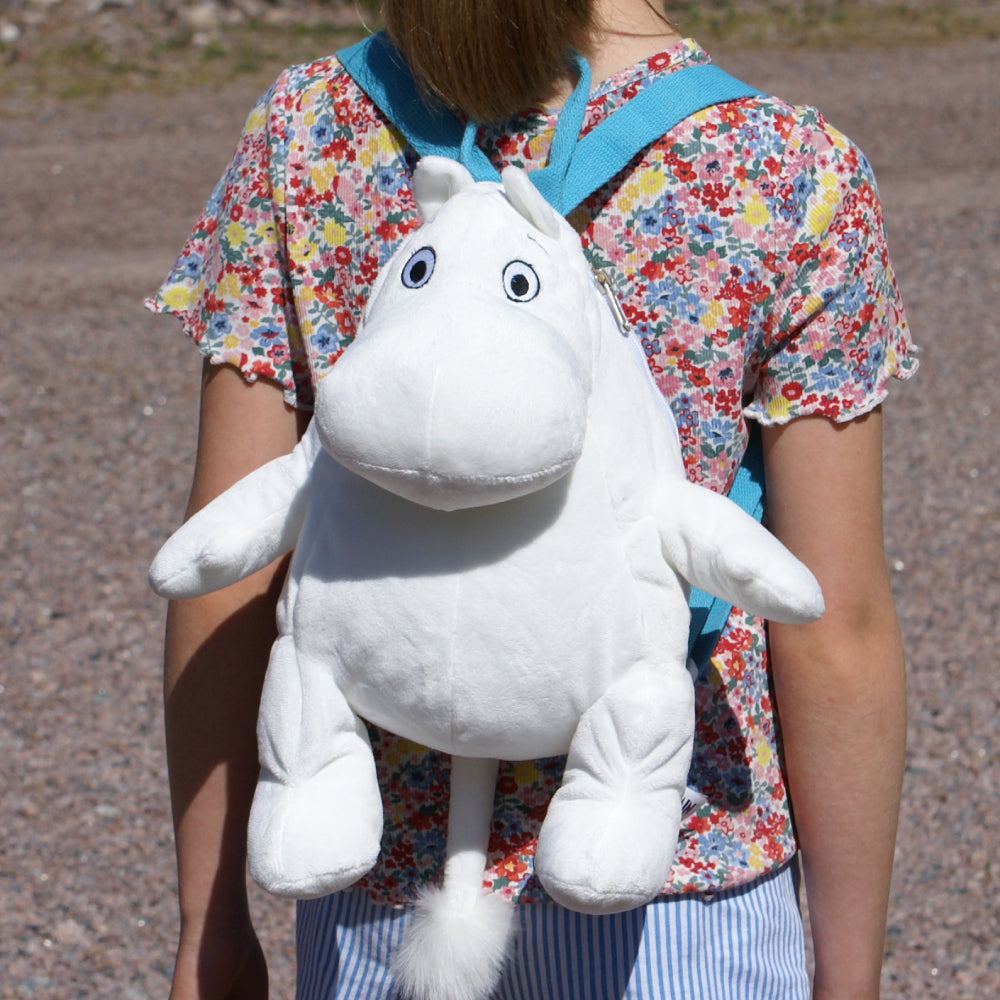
454,949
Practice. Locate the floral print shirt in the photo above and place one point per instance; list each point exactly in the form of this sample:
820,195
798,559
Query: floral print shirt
748,249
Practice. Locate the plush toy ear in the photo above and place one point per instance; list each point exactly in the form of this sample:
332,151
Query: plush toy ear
529,202
435,180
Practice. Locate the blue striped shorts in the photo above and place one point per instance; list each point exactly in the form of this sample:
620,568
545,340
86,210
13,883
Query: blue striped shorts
740,944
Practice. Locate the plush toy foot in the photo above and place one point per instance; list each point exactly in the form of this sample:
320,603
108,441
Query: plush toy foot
603,855
610,832
455,948
315,837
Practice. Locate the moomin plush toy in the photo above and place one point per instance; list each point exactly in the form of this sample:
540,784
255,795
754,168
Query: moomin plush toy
494,543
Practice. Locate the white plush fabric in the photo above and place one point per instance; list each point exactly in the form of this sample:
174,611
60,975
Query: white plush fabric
494,542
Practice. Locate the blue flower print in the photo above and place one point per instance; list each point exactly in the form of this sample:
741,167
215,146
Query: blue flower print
267,331
390,180
326,337
650,221
828,378
849,240
322,132
191,266
220,324
708,228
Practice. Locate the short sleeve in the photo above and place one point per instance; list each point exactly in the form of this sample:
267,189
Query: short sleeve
230,286
837,332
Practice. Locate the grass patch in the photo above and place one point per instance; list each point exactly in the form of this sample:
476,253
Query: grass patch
68,68
814,23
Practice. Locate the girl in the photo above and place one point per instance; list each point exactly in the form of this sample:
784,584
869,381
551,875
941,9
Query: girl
750,243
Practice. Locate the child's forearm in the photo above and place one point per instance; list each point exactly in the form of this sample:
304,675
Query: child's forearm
843,725
216,654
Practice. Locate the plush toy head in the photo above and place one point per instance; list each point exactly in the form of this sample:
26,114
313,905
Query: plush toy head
494,541
468,383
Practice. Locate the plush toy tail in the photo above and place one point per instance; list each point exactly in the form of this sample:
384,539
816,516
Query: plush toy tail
457,944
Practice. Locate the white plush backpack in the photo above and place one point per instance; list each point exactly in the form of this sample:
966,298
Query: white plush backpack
492,558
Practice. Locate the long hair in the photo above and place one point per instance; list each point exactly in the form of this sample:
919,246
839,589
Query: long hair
488,58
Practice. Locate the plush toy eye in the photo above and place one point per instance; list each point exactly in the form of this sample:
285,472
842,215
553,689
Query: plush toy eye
520,281
418,269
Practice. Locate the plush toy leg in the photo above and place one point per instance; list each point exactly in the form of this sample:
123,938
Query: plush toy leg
457,944
316,820
610,833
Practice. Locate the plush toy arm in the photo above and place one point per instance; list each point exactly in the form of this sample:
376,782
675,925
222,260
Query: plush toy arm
720,549
239,532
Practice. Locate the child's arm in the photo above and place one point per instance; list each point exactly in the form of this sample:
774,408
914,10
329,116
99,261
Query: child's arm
840,691
216,653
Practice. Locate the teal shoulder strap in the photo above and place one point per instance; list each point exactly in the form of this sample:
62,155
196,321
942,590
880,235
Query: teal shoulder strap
577,167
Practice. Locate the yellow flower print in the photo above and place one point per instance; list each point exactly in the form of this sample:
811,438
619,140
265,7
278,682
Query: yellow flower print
334,233
820,212
236,234
229,286
763,754
230,342
525,772
176,296
301,249
813,304
755,211
322,176
650,182
779,408
712,316
255,120
757,861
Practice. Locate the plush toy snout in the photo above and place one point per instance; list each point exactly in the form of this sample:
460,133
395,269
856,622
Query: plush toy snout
466,425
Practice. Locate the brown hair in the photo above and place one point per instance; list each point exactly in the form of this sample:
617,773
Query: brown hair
488,58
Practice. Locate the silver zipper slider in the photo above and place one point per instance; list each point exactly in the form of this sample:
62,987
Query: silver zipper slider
603,282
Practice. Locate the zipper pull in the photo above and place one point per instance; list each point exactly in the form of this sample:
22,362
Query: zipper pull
603,282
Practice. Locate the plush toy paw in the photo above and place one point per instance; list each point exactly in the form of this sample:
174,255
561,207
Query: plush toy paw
304,840
610,853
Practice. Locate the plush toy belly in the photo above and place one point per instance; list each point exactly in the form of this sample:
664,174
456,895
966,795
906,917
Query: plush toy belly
449,627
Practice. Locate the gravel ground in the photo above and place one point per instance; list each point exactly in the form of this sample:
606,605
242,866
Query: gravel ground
97,406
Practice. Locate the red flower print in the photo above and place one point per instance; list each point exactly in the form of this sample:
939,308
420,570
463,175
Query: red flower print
829,407
506,784
685,173
801,252
262,368
513,868
386,230
792,390
699,824
732,113
653,269
279,353
697,377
